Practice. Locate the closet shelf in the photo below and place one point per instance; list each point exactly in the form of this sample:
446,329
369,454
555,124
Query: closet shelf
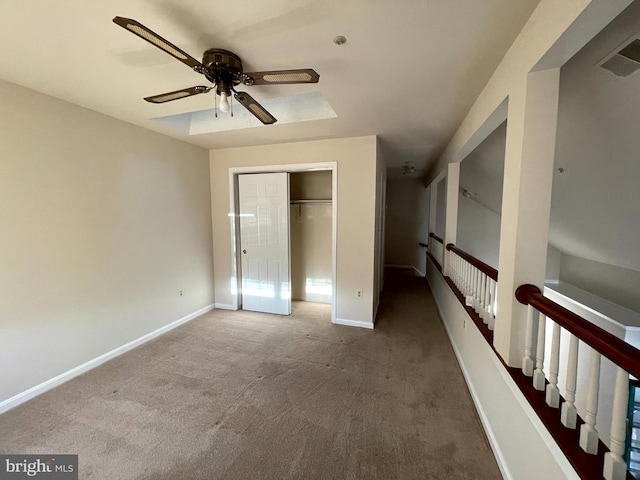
311,202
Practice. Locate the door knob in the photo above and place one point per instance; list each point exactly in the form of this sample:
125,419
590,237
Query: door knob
244,251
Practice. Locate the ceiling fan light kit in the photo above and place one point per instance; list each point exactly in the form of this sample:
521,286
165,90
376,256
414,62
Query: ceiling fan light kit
223,69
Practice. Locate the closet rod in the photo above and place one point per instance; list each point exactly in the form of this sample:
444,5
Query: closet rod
310,202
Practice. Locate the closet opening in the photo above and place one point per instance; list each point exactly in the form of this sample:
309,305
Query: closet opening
311,239
310,221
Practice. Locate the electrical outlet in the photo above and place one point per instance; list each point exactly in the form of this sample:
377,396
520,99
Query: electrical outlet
358,293
180,293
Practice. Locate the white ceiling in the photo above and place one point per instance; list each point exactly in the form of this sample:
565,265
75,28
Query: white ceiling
409,71
595,207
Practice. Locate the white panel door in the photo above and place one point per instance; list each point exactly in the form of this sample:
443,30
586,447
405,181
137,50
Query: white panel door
264,242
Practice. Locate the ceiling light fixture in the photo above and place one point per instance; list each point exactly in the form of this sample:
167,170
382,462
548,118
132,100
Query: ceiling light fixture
224,103
408,167
466,193
340,40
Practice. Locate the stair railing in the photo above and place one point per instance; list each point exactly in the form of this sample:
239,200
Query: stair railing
477,281
601,342
436,250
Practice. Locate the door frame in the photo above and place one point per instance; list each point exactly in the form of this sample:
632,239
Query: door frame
236,271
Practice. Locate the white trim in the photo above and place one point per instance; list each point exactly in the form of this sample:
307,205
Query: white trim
225,306
294,167
91,364
353,323
389,265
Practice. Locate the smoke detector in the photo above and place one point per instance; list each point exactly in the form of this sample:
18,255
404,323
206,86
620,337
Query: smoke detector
624,61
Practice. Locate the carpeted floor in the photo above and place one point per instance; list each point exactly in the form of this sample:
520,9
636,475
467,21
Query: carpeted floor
242,395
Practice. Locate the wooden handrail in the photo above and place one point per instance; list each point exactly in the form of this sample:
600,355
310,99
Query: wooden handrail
479,264
435,237
616,350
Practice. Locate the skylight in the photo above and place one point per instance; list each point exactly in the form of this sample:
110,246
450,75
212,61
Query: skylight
291,109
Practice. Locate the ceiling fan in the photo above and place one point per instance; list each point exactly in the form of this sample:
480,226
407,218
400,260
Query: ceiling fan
223,69
409,168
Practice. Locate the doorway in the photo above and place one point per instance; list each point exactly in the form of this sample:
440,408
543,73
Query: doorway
312,284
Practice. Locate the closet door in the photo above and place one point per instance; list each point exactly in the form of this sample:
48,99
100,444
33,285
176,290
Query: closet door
264,242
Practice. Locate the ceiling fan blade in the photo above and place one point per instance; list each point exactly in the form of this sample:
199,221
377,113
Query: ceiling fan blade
155,39
255,108
278,77
185,92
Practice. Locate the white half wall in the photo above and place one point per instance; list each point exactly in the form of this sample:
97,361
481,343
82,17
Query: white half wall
356,203
523,447
103,224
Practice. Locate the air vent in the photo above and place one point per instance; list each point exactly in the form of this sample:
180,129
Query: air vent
626,61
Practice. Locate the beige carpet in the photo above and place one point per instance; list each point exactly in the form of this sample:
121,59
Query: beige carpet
241,395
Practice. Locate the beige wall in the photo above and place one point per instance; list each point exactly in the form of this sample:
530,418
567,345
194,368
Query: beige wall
406,225
616,284
101,224
478,231
311,237
356,200
381,205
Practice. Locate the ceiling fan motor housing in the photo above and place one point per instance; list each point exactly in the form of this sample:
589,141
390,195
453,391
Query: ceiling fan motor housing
224,68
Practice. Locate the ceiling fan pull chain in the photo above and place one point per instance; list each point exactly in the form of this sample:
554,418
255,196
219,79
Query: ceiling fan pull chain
231,104
215,105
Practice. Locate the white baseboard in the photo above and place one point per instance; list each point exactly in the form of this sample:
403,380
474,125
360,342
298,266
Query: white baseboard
353,323
225,306
91,364
409,267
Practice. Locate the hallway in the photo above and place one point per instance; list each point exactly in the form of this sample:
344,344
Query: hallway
238,395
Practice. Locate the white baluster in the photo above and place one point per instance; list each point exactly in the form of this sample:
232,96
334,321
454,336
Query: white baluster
527,360
467,279
484,299
464,276
452,270
553,394
493,292
487,301
615,467
476,288
538,374
588,432
569,412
